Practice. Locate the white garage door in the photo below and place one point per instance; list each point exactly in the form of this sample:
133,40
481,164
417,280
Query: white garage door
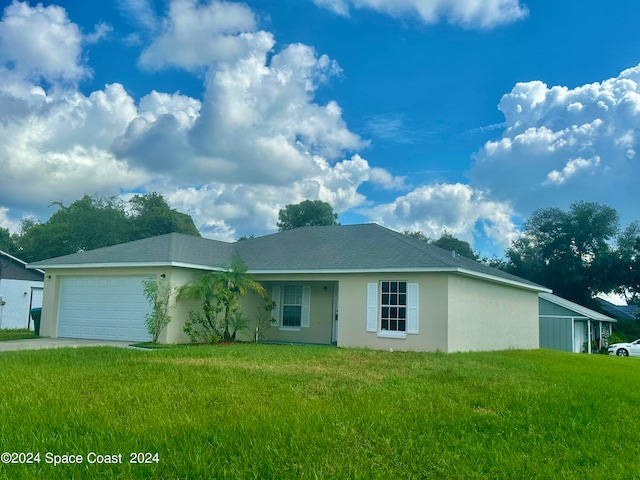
105,308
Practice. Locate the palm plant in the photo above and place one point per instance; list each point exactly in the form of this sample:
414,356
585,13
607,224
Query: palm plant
220,292
237,283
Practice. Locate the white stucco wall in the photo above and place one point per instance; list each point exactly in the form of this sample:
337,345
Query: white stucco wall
485,316
17,295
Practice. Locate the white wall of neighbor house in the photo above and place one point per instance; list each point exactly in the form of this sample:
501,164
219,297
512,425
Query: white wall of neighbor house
486,315
18,297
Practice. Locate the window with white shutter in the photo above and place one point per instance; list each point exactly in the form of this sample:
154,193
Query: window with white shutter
392,308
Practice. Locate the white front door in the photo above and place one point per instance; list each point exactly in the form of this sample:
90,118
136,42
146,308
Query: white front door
103,308
579,335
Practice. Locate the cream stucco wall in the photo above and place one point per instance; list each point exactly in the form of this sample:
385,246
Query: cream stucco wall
491,316
179,311
432,313
320,318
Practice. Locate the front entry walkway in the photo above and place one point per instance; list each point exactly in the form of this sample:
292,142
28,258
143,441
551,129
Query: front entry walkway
41,343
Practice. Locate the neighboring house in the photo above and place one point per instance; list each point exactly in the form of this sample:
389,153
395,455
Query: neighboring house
350,285
622,312
570,327
20,290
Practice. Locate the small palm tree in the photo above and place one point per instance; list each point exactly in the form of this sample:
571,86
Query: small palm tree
237,282
220,291
206,288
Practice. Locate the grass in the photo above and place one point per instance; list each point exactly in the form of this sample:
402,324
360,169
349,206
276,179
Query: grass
277,412
16,334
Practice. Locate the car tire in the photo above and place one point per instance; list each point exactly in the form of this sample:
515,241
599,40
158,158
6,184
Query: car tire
622,352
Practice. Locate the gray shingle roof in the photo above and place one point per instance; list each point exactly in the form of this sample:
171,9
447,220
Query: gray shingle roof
172,248
343,248
624,312
575,307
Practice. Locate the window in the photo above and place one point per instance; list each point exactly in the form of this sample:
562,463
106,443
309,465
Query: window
292,306
393,306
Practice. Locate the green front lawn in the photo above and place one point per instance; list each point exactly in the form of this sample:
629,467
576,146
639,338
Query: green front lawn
270,411
16,334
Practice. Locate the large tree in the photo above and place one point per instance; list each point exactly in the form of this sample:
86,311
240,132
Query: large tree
309,213
567,251
88,223
626,268
93,222
152,216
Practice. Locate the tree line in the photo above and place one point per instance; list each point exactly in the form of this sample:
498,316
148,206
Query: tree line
93,222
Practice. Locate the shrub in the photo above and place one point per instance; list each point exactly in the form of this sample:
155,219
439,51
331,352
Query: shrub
201,330
157,294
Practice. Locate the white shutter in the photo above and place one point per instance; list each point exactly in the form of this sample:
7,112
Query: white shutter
306,307
275,313
412,307
372,307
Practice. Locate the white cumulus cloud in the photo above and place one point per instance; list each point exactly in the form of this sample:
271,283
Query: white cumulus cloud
196,35
560,145
457,208
40,43
482,14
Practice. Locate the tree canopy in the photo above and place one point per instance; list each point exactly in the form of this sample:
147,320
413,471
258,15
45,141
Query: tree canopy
626,265
569,252
6,242
309,213
448,241
94,222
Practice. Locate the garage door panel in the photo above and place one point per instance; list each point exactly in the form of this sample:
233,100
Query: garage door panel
105,308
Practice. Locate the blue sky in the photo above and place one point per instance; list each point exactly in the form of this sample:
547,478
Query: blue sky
415,114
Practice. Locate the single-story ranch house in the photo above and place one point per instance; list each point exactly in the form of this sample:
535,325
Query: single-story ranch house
20,291
570,327
349,285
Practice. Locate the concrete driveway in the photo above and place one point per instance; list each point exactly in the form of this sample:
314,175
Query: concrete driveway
40,343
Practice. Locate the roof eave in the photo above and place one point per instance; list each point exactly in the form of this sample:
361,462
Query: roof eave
575,307
125,265
462,271
307,271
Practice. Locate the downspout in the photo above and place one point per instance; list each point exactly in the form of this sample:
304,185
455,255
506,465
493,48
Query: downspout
588,335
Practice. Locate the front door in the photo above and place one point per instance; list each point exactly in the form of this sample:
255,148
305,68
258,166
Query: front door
579,335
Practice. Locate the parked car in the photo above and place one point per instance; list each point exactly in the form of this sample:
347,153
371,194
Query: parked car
625,349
